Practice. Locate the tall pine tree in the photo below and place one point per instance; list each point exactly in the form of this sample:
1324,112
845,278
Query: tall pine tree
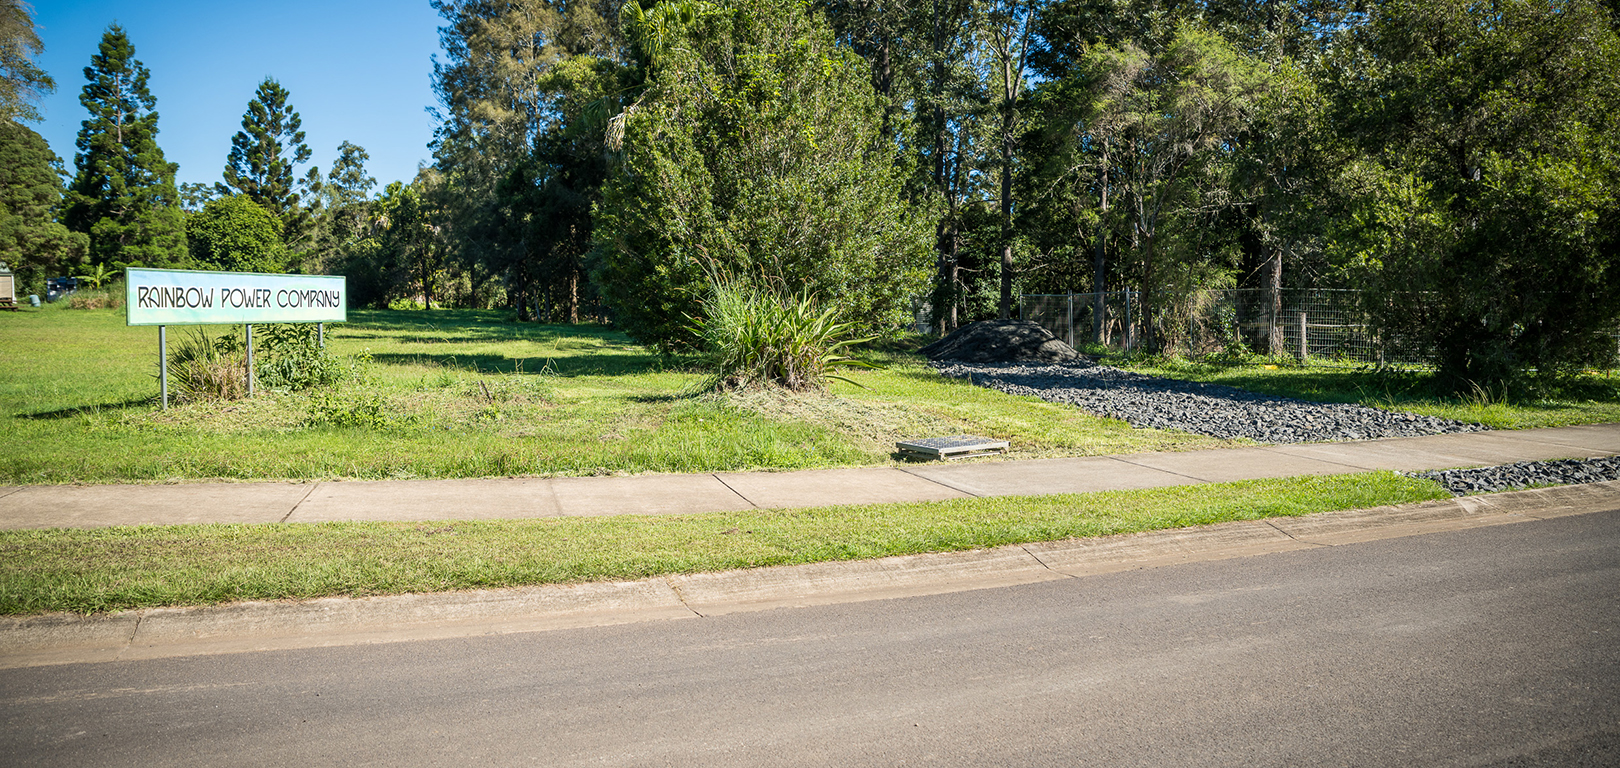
263,155
123,195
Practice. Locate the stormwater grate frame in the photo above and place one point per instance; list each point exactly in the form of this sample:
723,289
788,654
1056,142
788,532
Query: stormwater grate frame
951,447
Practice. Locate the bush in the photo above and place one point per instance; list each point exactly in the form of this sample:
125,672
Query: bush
203,369
754,336
289,356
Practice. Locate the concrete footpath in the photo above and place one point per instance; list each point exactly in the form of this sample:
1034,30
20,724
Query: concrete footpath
89,506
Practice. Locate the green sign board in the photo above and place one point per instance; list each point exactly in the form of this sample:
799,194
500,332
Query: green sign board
188,297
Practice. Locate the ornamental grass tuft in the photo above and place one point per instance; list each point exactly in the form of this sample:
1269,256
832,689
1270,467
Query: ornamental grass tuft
756,336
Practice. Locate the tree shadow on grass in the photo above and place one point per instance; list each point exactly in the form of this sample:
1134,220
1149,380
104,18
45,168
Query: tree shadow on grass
571,365
82,410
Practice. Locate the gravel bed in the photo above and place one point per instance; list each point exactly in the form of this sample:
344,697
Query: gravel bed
1524,474
1209,409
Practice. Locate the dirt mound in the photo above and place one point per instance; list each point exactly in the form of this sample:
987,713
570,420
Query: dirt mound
1002,341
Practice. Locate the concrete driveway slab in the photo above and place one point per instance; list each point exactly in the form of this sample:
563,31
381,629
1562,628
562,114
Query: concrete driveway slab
645,495
99,506
493,499
1047,476
826,487
1604,438
1223,465
1499,447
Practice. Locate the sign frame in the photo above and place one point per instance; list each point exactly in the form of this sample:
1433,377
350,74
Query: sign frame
165,297
200,297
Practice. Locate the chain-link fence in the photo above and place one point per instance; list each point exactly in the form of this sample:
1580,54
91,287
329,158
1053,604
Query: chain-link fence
1322,325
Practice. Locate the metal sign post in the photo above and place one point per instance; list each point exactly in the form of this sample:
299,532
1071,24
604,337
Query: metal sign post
163,363
249,327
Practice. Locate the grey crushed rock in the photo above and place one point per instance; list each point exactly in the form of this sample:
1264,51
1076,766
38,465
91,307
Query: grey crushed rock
1524,474
1209,409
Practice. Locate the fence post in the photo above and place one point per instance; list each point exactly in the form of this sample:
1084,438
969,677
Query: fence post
1304,346
1130,331
1071,318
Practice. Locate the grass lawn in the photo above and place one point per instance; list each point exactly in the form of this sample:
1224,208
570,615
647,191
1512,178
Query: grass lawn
133,567
468,394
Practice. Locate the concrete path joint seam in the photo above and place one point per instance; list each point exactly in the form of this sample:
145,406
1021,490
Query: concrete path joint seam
723,482
941,483
1124,460
301,500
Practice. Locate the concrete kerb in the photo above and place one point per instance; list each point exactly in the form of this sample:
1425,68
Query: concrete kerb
258,626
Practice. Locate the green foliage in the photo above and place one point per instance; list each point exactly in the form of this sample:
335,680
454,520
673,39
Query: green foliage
235,234
348,410
123,195
1482,213
204,368
289,356
32,243
264,155
22,82
756,336
756,150
98,276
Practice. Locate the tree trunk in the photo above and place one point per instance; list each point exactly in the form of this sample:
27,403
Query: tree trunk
1274,301
573,294
1099,257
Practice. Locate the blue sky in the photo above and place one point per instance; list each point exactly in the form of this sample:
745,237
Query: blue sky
357,70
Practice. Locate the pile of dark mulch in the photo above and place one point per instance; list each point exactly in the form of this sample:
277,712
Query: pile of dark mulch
1002,341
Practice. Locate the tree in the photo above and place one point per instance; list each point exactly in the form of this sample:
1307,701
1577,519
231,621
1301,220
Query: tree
1481,212
235,234
1172,119
343,205
527,89
123,195
756,151
264,156
1010,44
22,82
408,247
31,241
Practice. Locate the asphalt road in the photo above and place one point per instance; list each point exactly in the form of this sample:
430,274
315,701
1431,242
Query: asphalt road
1494,646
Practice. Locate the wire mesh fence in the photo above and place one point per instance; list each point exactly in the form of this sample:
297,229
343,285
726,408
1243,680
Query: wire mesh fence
1322,325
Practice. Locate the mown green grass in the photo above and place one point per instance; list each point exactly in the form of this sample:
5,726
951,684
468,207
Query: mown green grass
133,567
469,394
1590,399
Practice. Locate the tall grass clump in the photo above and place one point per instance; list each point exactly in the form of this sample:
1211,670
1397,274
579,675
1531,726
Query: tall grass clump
755,336
202,368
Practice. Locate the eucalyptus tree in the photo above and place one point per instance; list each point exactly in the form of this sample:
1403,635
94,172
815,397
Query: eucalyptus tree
342,206
525,90
1171,120
123,195
22,82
